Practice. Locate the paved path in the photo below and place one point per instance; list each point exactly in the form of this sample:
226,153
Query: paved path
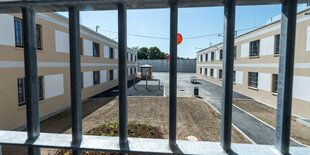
259,132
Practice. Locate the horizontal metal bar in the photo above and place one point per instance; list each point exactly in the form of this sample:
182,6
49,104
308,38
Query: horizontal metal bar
87,5
136,145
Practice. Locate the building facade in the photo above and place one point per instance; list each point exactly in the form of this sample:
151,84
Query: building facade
99,66
256,63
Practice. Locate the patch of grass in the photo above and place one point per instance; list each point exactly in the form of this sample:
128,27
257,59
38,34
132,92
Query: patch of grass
112,129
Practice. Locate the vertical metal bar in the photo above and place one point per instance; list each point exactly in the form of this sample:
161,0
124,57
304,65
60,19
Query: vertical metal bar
75,76
122,73
31,75
286,74
228,66
173,73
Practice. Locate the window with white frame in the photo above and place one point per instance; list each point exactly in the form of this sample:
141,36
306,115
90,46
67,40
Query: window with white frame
253,79
96,50
211,72
96,77
21,90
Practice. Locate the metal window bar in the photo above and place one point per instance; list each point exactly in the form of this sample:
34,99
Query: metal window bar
34,140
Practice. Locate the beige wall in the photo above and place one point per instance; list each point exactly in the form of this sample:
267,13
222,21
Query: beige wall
266,64
11,115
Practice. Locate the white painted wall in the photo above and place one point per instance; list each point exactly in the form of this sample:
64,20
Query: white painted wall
62,41
267,46
209,57
203,71
7,30
88,79
103,76
245,50
217,55
53,85
115,72
308,39
88,47
116,54
264,81
215,73
239,77
106,52
301,88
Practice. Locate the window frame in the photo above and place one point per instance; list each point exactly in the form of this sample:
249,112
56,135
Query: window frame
200,70
96,74
206,71
275,79
21,94
276,50
111,74
211,72
212,56
221,55
254,52
250,83
96,49
111,53
206,57
220,74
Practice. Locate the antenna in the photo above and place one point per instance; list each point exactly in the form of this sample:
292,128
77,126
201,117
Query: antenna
97,27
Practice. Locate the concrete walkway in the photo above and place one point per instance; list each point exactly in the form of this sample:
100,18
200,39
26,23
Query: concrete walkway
259,132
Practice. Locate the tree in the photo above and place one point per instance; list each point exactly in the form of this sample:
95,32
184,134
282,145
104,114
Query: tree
142,53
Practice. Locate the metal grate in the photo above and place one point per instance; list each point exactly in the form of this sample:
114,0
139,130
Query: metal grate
33,139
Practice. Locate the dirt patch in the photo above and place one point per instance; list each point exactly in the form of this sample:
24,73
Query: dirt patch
267,114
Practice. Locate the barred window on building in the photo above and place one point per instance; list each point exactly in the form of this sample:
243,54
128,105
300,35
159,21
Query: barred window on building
275,83
277,44
18,26
212,56
21,88
254,48
206,57
206,71
253,79
211,72
96,50
96,77
221,54
111,74
220,74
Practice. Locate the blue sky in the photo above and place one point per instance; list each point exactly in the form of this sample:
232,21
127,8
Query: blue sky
192,22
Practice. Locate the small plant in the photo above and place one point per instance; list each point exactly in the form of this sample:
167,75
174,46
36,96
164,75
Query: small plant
103,134
150,128
144,126
139,132
133,134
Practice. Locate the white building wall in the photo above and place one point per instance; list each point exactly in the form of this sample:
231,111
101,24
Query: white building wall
245,50
106,53
62,41
239,77
217,55
88,79
264,81
267,46
7,31
215,73
209,57
308,39
103,76
115,73
88,47
301,88
53,85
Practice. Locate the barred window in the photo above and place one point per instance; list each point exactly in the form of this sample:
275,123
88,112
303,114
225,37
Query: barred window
41,87
221,54
21,88
206,71
206,57
212,56
96,50
111,53
211,72
235,52
39,43
18,24
254,48
111,74
275,83
96,77
131,71
253,79
200,70
277,44
200,57
220,74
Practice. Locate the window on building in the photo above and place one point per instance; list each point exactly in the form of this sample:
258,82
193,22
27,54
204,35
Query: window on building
131,71
21,88
235,52
206,57
234,76
254,48
211,72
135,58
131,59
253,79
275,83
111,53
82,78
212,56
200,57
18,23
220,74
96,50
206,71
200,70
81,46
96,77
221,54
111,74
135,70
277,44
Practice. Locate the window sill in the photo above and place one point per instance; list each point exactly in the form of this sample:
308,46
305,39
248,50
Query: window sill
276,55
253,88
274,94
253,57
